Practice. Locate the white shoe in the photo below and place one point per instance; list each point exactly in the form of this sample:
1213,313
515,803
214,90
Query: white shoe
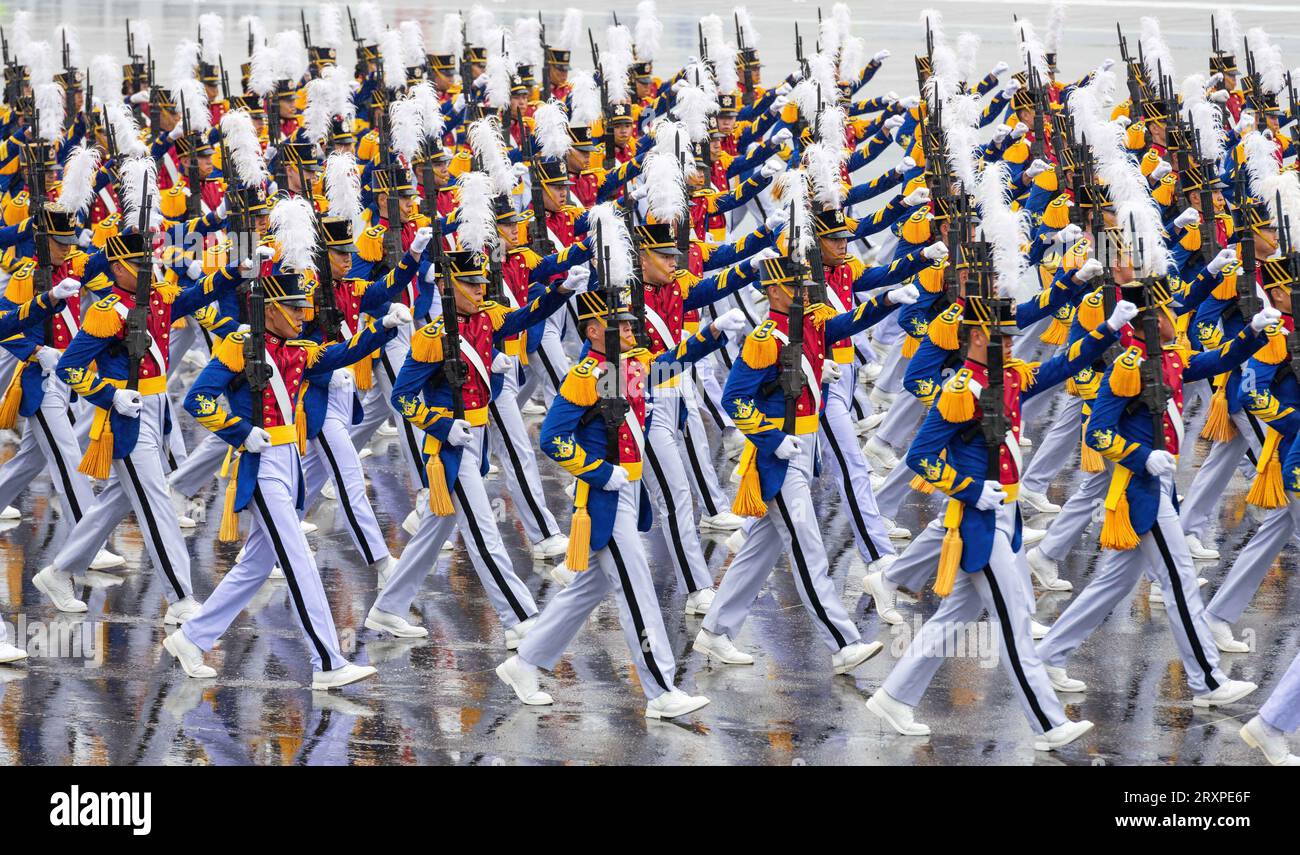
883,400
1038,631
673,703
884,596
1030,536
732,443
1062,735
532,408
189,656
308,527
9,653
698,602
10,513
870,372
1044,570
736,540
896,714
1257,734
1063,682
328,492
879,454
494,471
515,634
105,560
877,482
411,524
721,521
720,649
551,547
522,677
398,627
852,655
562,575
1230,692
186,522
276,574
197,510
1156,597
181,611
1199,551
1026,442
386,429
1223,638
1039,502
895,531
58,587
324,680
386,572
365,452
870,423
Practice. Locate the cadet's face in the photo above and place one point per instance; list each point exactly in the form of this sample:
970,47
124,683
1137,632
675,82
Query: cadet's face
441,173
559,76
643,89
286,321
1265,242
509,234
204,162
779,298
657,268
834,250
408,205
345,147
58,252
211,90
578,160
695,180
555,196
469,296
1281,299
340,263
441,80
622,133
1157,132
596,335
122,275
1219,202
726,124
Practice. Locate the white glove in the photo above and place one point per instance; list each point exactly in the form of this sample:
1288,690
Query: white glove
501,363
84,237
617,480
1010,89
1219,96
789,447
48,357
1037,168
431,275
128,402
1265,318
1088,271
398,315
640,190
936,251
1107,63
1245,124
1186,218
893,123
991,496
1000,133
771,167
782,136
999,69
911,102
762,255
1019,130
1123,313
257,441
264,252
730,322
1215,79
576,281
891,97
1069,235
459,435
784,88
680,84
777,103
919,196
1162,169
905,165
141,97
880,56
66,288
779,217
519,170
1222,260
421,239
1161,463
194,269
1122,121
831,371
458,103
904,296
221,210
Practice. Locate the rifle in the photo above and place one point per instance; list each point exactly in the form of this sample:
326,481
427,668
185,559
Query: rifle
329,318
69,98
155,108
1292,261
393,233
1155,394
746,68
1247,299
798,52
637,286
306,40
43,274
613,406
1133,69
537,239
273,134
193,202
1209,227
546,61
257,372
791,356
993,417
454,370
137,338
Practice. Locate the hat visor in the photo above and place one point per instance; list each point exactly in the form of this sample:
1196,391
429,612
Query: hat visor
840,233
587,146
669,249
65,240
514,217
621,315
347,248
470,278
296,302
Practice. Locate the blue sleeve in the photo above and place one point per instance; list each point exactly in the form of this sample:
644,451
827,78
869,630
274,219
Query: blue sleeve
866,314
202,403
714,288
1065,365
1224,358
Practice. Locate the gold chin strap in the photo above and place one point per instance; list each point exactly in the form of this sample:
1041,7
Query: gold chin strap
478,304
287,318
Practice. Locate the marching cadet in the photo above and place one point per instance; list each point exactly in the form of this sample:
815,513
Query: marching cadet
777,464
1141,534
610,505
268,473
454,444
1279,716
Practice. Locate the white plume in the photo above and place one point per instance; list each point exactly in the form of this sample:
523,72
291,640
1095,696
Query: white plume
672,139
196,104
1208,124
496,71
390,53
933,19
724,64
478,30
551,127
370,23
22,32
294,225
711,29
747,28
945,77
39,59
1005,230
804,96
246,23
406,128
261,71
821,71
412,43
65,32
832,129
137,174
476,222
142,35
212,31
50,109
343,186
1157,58
319,111
431,118
329,27
649,31
244,147
829,36
665,187
961,134
77,188
527,49
791,188
1277,188
105,77
1268,61
486,143
184,58
616,63
853,59
584,99
126,133
968,49
1229,32
822,163
605,220
843,18
570,31
1055,27
692,109
449,38
1031,48
698,74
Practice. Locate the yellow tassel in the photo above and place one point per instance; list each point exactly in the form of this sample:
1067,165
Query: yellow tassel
300,420
790,113
105,229
943,329
761,348
460,164
579,387
426,344
368,147
229,531
102,320
168,291
1017,152
1227,287
1092,311
820,314
950,551
910,347
749,497
17,209
916,228
1267,490
931,278
439,495
13,398
1090,460
1057,332
1125,378
370,244
19,290
921,485
172,202
1218,424
230,352
1047,181
496,313
578,558
363,373
1164,191
1057,215
957,402
1135,136
97,462
1117,530
1274,352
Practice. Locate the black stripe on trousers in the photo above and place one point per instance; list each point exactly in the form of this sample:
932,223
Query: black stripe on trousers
152,525
412,447
62,465
1259,437
1009,642
708,401
675,541
638,622
520,475
546,363
802,566
859,523
1180,600
698,471
282,556
347,503
468,513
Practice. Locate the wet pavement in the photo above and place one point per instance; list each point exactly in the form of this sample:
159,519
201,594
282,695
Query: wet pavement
112,698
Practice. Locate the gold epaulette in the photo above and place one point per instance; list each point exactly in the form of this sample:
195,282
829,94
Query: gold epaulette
426,344
102,319
761,346
496,313
1092,310
956,402
230,351
579,387
1125,374
370,243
